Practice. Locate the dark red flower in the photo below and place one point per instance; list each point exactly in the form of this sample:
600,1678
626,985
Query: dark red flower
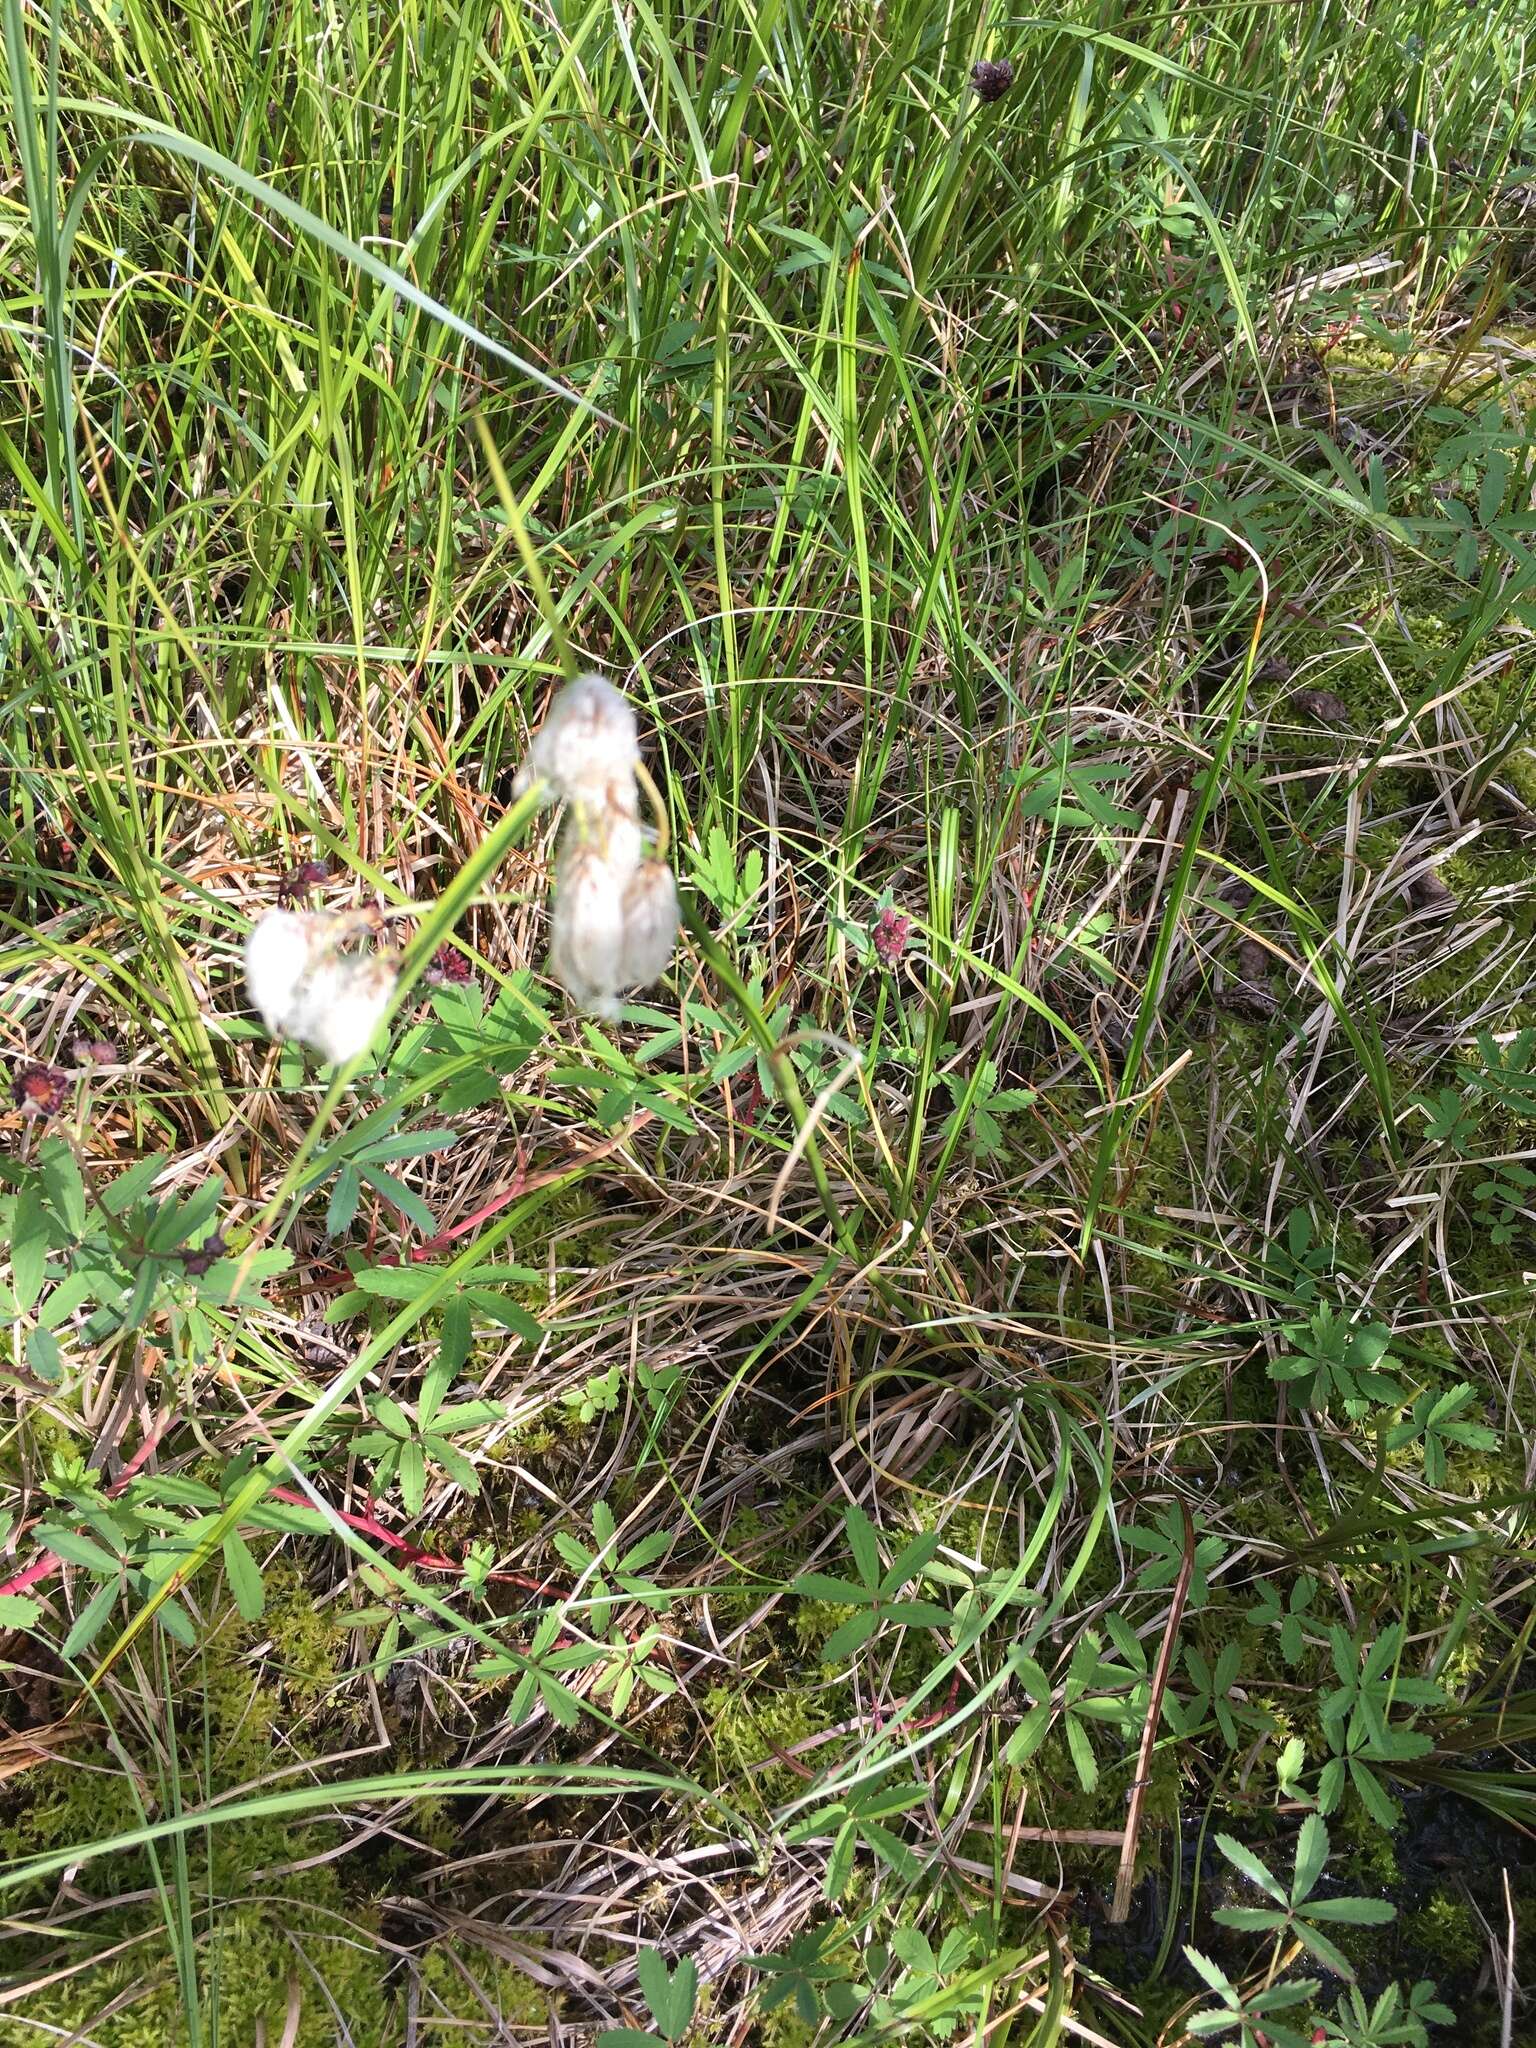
991,79
294,887
198,1260
40,1091
890,935
449,969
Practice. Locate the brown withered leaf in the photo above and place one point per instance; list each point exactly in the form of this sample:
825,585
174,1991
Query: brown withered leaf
1427,892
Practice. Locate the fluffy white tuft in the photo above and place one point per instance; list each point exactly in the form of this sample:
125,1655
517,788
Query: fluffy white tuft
587,747
278,955
342,1005
586,929
650,924
305,989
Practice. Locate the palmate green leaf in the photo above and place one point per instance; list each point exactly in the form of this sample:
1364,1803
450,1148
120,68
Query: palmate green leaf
1084,1762
1252,1919
839,1874
398,1283
236,1282
1331,1781
133,1183
1215,1977
413,1477
176,1621
462,1418
913,1558
19,1610
1352,1911
1029,1734
455,1338
454,1463
77,1549
1282,1997
671,1995
73,1292
863,1544
891,1850
408,1145
1327,1952
341,1210
510,1315
376,1443
400,1197
1375,1798
29,1247
917,1613
387,1410
44,1355
818,1586
881,1800
62,1184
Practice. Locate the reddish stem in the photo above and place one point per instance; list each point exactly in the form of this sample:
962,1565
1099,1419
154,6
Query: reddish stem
424,1560
45,1565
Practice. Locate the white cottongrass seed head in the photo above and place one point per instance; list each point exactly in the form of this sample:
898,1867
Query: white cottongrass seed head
304,988
586,927
650,923
343,1004
614,922
587,748
279,953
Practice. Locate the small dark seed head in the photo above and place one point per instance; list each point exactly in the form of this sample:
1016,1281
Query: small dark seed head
449,969
294,887
991,79
890,936
205,1255
40,1091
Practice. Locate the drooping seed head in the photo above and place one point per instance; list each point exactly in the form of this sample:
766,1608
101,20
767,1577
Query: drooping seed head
279,952
587,747
650,924
586,929
341,1005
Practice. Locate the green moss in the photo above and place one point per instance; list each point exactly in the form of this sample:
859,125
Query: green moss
1446,1933
750,1725
245,1965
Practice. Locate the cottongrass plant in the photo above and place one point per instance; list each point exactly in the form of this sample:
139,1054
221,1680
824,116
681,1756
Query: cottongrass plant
615,916
306,988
